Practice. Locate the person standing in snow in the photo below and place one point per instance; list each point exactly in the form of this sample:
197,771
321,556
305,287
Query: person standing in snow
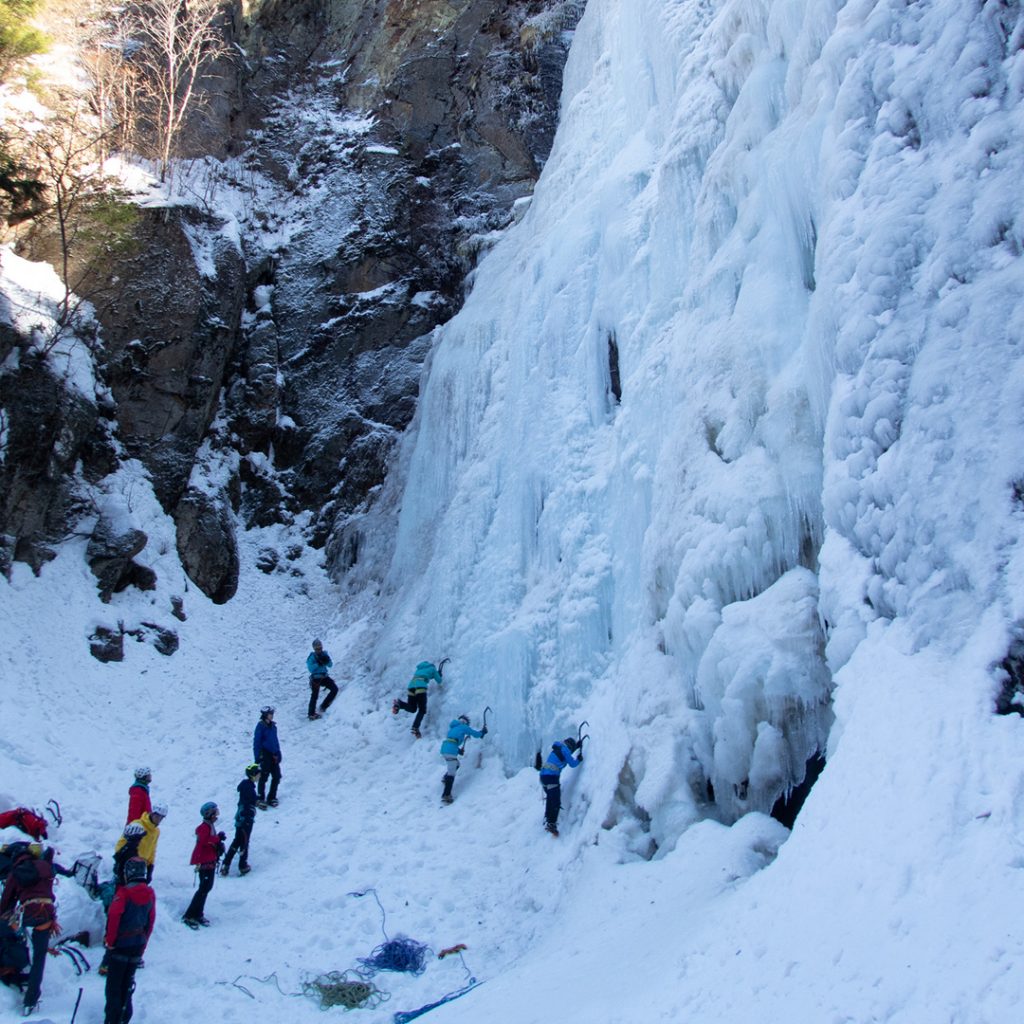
550,778
416,699
30,887
207,851
266,752
318,662
459,730
129,926
138,795
245,818
147,842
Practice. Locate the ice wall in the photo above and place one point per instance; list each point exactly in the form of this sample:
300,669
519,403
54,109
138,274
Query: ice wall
740,384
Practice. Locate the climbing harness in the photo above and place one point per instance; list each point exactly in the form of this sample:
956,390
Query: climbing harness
345,989
451,949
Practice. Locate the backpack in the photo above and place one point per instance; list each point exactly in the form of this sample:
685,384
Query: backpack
9,855
25,871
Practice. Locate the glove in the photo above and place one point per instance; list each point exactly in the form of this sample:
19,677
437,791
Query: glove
222,836
579,758
483,732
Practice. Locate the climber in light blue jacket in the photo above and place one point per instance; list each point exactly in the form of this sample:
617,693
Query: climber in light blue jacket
417,696
459,730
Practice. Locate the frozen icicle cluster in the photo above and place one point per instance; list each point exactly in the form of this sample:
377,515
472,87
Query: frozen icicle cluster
734,356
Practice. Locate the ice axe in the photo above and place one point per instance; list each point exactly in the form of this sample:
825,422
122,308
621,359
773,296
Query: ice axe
54,812
581,736
440,667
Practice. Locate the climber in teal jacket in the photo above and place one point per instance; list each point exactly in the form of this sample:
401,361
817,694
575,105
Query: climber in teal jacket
459,730
416,700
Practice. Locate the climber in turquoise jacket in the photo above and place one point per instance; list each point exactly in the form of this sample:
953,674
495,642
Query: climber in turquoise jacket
459,730
416,700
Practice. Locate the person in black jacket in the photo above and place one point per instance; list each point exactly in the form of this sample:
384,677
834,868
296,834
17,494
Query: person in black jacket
245,818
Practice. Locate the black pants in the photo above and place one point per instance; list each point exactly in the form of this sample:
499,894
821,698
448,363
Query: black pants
315,682
417,702
40,944
552,798
198,904
120,985
270,768
239,845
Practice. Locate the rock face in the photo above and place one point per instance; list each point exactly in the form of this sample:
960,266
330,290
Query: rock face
110,552
398,135
207,546
50,427
463,97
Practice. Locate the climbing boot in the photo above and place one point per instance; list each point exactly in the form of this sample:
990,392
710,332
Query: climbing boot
446,796
394,707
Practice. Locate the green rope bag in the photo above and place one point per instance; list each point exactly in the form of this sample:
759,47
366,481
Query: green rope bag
345,989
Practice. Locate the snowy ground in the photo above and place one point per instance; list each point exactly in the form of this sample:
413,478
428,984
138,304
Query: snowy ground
897,899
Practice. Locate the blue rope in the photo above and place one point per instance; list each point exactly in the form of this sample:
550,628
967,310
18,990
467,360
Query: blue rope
383,916
400,954
404,1016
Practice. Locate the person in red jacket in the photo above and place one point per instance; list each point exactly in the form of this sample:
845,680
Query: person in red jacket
208,850
129,926
30,886
138,795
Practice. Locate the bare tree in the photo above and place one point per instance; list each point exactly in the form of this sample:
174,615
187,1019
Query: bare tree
179,41
90,220
114,78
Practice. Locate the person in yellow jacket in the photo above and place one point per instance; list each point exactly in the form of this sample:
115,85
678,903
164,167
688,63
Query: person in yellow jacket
150,822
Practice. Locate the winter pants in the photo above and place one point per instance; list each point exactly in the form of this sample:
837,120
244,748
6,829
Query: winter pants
198,904
315,682
552,797
239,845
270,768
120,985
40,944
451,764
417,702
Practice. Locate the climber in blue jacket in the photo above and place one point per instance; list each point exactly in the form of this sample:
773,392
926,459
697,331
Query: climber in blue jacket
317,664
266,752
459,730
561,756
417,695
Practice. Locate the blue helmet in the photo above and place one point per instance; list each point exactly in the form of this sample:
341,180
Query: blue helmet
208,810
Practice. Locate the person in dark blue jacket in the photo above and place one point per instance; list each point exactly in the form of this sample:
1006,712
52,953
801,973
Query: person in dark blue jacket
318,662
245,818
416,701
459,730
266,752
560,757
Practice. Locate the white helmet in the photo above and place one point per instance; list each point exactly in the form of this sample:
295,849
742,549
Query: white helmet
160,809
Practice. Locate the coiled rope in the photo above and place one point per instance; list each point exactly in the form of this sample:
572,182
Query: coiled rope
399,954
339,988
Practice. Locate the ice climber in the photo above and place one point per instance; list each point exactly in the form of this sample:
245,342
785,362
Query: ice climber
245,818
416,700
208,850
459,730
550,778
138,795
129,926
147,842
266,752
318,662
29,886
